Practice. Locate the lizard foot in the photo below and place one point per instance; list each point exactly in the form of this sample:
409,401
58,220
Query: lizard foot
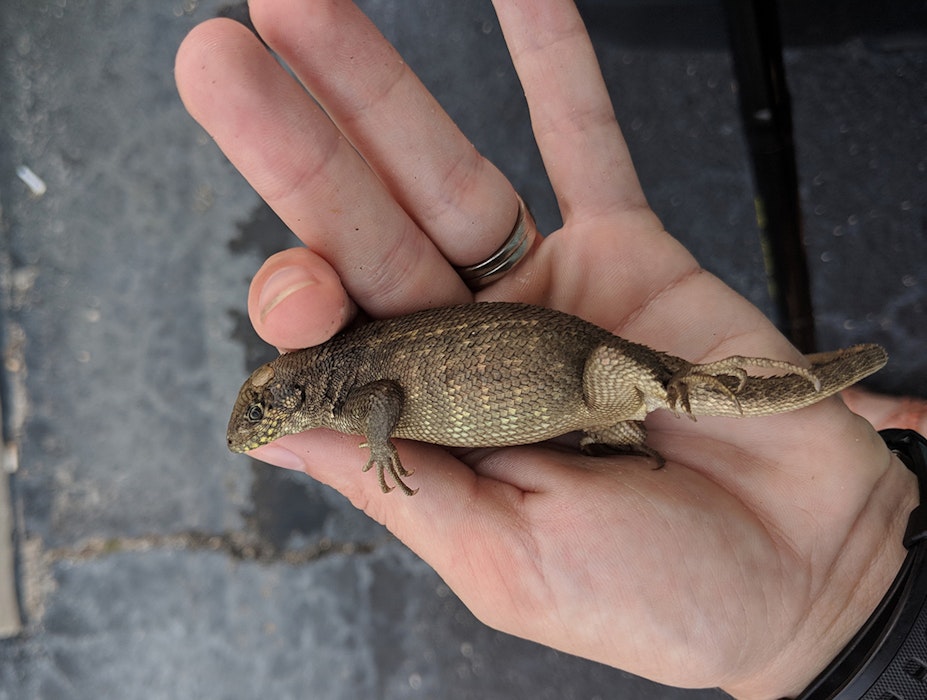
385,456
727,377
624,438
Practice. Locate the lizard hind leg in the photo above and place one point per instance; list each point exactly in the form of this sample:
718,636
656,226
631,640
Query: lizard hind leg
623,438
727,377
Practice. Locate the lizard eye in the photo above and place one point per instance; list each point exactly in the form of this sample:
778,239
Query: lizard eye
255,413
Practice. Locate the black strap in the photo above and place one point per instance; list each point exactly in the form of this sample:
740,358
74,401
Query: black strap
887,659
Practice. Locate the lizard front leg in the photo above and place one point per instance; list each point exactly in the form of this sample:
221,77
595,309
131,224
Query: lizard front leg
375,409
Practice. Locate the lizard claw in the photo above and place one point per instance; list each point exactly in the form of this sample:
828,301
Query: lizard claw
677,390
727,377
386,458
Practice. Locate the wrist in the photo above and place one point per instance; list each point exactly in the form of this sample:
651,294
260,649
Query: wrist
854,586
885,659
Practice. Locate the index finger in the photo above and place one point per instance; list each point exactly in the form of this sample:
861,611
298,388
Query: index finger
298,161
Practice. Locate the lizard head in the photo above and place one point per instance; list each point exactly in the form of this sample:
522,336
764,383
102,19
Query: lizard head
268,406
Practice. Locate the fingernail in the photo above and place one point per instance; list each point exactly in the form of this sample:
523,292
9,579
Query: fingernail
282,284
279,457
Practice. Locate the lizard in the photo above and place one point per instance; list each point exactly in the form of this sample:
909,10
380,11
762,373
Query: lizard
493,374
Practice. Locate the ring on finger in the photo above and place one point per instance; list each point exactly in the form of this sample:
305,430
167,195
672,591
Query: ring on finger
508,255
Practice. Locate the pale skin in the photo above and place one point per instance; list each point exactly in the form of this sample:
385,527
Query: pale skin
746,563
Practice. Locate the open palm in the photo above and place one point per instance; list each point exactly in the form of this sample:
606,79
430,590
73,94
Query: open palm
762,546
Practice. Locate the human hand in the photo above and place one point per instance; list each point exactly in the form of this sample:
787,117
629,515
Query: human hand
749,560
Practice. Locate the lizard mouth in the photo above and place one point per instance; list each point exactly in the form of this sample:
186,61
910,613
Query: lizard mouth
242,439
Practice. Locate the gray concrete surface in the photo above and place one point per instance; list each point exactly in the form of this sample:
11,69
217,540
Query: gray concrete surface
151,563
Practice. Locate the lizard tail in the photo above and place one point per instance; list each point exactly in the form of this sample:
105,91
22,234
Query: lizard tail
764,396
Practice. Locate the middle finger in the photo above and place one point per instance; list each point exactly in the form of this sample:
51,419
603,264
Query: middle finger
300,163
461,200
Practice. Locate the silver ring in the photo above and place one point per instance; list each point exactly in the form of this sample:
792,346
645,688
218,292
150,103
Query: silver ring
504,259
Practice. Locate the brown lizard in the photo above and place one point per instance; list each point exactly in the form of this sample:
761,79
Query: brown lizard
496,374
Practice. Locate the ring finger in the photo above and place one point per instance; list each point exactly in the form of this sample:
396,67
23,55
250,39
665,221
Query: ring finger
301,164
296,159
455,195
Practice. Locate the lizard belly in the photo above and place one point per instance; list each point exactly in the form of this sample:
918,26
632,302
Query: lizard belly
494,420
494,401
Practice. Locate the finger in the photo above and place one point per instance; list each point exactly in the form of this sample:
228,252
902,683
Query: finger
888,411
457,522
571,113
296,300
458,197
455,510
426,521
297,160
337,460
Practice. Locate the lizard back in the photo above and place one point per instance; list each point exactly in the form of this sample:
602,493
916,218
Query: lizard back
476,374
